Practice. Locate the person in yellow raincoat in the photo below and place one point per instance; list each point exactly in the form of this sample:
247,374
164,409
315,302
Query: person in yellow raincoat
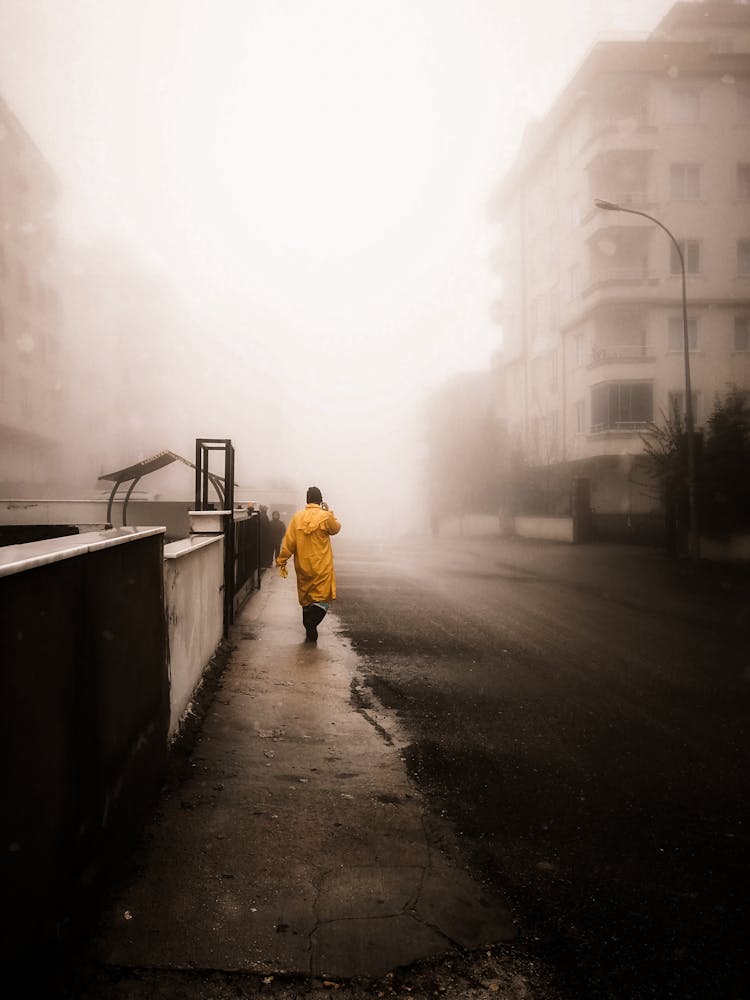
308,539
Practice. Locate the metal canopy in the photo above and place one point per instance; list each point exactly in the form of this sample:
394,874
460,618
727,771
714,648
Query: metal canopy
134,473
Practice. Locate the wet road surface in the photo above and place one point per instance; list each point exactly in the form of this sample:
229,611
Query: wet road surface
580,716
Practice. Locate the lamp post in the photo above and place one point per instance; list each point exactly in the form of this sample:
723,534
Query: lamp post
693,537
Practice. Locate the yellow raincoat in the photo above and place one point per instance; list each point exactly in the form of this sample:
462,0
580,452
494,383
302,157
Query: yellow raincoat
308,539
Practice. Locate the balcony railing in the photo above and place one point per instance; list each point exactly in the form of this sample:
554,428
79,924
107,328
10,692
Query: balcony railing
631,199
619,276
630,426
638,198
620,120
617,352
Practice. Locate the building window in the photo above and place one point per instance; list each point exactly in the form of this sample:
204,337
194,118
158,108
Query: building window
685,181
684,105
676,339
743,182
743,257
676,403
691,252
741,333
580,417
621,405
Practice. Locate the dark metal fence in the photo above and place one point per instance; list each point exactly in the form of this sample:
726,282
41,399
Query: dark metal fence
246,545
223,485
242,529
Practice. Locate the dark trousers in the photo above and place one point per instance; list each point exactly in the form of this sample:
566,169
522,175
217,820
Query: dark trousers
312,616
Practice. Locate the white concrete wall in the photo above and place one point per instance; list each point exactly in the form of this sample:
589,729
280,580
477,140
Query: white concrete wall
193,581
80,512
91,515
470,524
558,529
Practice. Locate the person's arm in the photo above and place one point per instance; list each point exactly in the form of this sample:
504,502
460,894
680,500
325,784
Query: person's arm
288,546
333,527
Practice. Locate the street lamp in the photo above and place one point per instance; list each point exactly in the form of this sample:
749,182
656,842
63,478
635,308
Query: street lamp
693,537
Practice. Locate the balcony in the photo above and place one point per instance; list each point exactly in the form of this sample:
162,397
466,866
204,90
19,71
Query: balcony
622,123
604,277
618,255
622,106
626,137
637,198
623,406
621,427
625,172
604,353
632,198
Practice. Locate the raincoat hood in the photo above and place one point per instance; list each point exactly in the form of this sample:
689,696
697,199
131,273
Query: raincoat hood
312,517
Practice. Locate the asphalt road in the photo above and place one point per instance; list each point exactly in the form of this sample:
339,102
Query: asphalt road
580,715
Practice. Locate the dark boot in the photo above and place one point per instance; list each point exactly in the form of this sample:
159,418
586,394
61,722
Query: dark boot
312,616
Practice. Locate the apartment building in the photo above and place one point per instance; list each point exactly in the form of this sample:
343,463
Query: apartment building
32,363
591,301
126,334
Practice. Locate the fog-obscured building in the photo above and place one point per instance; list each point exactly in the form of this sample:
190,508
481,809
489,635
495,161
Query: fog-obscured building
125,331
150,376
591,306
102,363
95,349
32,359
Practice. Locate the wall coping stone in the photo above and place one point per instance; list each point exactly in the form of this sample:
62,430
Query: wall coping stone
184,546
30,555
206,522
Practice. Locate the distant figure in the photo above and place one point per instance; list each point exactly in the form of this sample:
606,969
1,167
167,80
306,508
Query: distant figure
276,531
266,546
308,539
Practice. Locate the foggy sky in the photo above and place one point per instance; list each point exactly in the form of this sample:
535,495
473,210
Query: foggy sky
313,178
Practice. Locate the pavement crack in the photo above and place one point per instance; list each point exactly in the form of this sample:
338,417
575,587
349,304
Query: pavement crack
323,874
362,703
411,911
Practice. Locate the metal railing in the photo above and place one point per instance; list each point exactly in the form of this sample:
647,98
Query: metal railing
247,554
637,198
626,274
620,425
616,352
243,530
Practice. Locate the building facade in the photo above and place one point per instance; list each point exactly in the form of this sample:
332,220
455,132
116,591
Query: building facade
32,360
591,303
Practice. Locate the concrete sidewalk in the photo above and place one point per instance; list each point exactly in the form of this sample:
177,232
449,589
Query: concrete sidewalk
297,844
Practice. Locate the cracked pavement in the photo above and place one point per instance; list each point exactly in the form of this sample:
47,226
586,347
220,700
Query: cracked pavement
297,844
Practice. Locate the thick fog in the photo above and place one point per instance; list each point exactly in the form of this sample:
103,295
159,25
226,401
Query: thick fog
273,219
